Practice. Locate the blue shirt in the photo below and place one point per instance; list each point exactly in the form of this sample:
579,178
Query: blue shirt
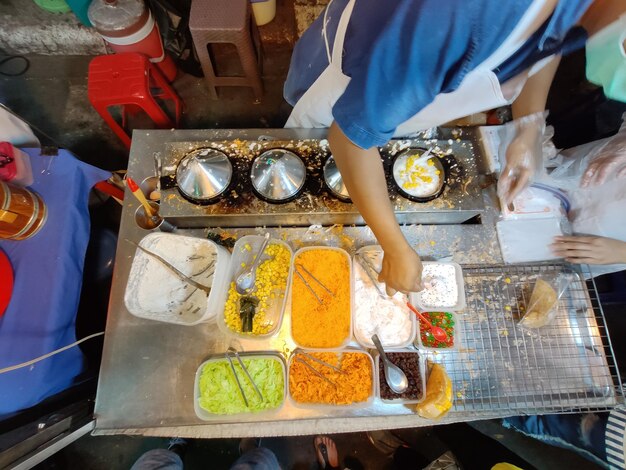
400,54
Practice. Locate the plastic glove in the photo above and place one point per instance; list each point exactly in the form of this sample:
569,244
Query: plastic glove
589,250
401,271
604,165
609,161
524,156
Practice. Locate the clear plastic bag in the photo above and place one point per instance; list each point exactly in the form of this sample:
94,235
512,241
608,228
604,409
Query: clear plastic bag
542,307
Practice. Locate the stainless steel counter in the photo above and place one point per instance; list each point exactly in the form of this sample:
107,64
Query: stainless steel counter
147,372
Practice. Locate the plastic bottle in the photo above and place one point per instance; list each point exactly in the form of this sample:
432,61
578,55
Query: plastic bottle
128,26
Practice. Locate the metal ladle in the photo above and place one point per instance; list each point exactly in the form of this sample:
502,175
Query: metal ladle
245,281
395,378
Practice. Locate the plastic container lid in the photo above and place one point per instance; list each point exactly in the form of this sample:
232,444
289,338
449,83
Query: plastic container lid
351,287
276,306
416,298
207,416
53,6
156,293
374,253
421,363
327,406
115,15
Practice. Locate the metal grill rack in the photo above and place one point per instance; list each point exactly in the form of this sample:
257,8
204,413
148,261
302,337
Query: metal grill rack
566,366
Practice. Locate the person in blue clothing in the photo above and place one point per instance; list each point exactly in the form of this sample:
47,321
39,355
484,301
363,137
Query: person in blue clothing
370,70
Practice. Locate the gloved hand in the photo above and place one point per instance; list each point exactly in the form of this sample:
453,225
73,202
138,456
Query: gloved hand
590,250
605,164
524,156
401,271
609,160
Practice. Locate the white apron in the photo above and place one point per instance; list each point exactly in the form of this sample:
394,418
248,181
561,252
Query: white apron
479,91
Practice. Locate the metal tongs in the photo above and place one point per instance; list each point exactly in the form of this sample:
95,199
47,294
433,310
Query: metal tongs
308,273
371,273
233,351
181,275
314,370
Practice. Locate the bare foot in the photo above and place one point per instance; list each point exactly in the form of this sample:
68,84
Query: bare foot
326,451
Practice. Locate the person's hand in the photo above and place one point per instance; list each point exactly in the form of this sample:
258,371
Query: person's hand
401,271
602,167
522,157
589,249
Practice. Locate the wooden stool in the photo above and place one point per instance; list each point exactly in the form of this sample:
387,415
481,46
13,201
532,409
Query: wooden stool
227,21
131,81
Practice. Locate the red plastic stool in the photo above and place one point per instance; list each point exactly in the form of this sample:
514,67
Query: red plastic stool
126,80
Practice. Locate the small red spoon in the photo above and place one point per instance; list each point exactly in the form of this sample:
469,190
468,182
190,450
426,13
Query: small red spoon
438,332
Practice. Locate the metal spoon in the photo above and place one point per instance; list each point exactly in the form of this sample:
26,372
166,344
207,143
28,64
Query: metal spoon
245,281
395,378
438,332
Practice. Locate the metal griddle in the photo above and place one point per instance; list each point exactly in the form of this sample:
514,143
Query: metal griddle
241,207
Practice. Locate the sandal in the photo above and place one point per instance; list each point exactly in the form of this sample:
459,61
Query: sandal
326,452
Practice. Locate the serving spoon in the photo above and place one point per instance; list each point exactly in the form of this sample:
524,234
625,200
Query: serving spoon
438,332
245,281
395,378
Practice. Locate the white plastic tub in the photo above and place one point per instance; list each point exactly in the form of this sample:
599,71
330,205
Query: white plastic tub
276,306
421,363
207,416
374,253
154,292
416,298
319,288
327,406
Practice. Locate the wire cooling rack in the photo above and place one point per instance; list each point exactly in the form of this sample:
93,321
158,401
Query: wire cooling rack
566,366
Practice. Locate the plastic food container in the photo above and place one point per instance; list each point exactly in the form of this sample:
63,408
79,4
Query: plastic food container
328,406
458,332
319,288
156,293
417,299
421,364
276,306
374,253
208,416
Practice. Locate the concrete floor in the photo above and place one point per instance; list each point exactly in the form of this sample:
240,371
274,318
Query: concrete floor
52,95
478,447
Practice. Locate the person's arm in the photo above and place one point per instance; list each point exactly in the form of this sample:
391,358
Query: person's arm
524,154
364,177
534,95
590,249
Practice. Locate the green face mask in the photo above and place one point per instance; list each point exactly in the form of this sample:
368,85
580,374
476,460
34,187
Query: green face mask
606,60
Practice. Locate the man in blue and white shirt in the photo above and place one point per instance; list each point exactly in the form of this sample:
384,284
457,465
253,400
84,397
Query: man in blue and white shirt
371,70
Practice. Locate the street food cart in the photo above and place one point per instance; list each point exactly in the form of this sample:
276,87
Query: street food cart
147,383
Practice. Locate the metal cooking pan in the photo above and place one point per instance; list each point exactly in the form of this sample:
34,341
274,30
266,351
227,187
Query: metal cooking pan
278,176
427,191
202,176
